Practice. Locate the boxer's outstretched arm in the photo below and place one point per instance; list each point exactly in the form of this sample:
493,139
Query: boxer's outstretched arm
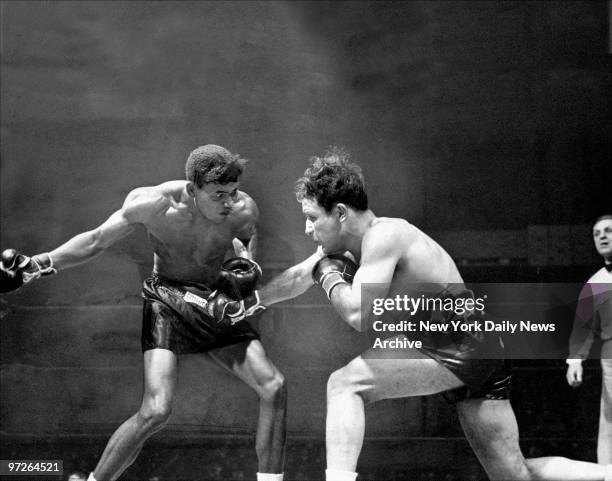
291,283
139,206
17,269
380,253
87,245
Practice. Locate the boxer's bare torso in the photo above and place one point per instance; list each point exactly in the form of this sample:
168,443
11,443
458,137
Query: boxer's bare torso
392,254
188,246
420,261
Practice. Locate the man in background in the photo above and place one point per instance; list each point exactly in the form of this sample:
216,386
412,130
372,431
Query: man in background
594,319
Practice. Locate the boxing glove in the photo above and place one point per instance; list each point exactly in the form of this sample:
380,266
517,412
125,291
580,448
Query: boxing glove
222,308
332,270
238,278
17,269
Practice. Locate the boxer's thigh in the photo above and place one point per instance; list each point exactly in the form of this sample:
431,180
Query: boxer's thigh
248,361
160,376
375,376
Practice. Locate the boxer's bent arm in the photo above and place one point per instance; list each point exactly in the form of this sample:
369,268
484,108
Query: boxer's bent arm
252,244
245,242
87,245
246,247
291,283
380,253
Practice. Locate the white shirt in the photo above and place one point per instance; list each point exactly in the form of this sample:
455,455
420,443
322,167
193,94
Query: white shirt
595,301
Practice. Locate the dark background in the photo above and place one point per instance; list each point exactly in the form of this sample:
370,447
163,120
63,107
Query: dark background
487,124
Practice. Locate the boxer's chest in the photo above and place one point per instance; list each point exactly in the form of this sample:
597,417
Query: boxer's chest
198,241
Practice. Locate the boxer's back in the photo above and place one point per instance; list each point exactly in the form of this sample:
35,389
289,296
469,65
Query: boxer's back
422,261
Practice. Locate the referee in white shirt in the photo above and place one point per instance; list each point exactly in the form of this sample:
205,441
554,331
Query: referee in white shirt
594,318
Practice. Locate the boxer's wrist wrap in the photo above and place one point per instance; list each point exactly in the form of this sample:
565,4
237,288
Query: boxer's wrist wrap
252,304
329,280
17,269
41,265
333,270
246,307
219,306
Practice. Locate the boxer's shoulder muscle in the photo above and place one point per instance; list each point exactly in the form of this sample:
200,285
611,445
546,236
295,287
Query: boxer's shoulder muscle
244,212
388,235
144,204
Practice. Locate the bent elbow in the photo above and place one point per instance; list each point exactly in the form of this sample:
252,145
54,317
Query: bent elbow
354,320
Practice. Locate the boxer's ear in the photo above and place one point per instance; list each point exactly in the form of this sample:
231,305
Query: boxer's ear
341,211
191,189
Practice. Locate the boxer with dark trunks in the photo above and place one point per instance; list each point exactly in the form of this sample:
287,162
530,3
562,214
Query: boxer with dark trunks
392,253
194,302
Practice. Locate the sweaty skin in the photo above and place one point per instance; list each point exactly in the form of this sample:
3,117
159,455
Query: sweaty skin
389,251
191,230
396,255
187,246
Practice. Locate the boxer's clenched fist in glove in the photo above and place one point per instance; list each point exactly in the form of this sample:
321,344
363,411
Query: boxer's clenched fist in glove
222,308
239,277
17,269
236,298
332,270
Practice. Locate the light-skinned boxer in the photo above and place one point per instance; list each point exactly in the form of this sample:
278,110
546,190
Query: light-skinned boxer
469,370
191,303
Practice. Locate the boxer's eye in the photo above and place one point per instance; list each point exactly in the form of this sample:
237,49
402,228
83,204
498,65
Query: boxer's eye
219,196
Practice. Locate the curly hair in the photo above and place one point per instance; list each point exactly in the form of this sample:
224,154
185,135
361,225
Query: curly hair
213,164
332,179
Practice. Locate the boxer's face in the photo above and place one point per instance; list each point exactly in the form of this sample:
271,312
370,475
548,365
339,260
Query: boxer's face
602,235
215,201
323,228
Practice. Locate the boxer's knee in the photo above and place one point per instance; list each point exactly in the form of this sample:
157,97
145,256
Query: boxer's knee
340,382
274,389
154,413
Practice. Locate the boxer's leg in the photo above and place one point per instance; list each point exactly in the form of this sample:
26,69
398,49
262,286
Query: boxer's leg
249,362
369,378
604,440
491,429
160,377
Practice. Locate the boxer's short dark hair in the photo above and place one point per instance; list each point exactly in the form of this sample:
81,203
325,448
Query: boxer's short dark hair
213,164
332,179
